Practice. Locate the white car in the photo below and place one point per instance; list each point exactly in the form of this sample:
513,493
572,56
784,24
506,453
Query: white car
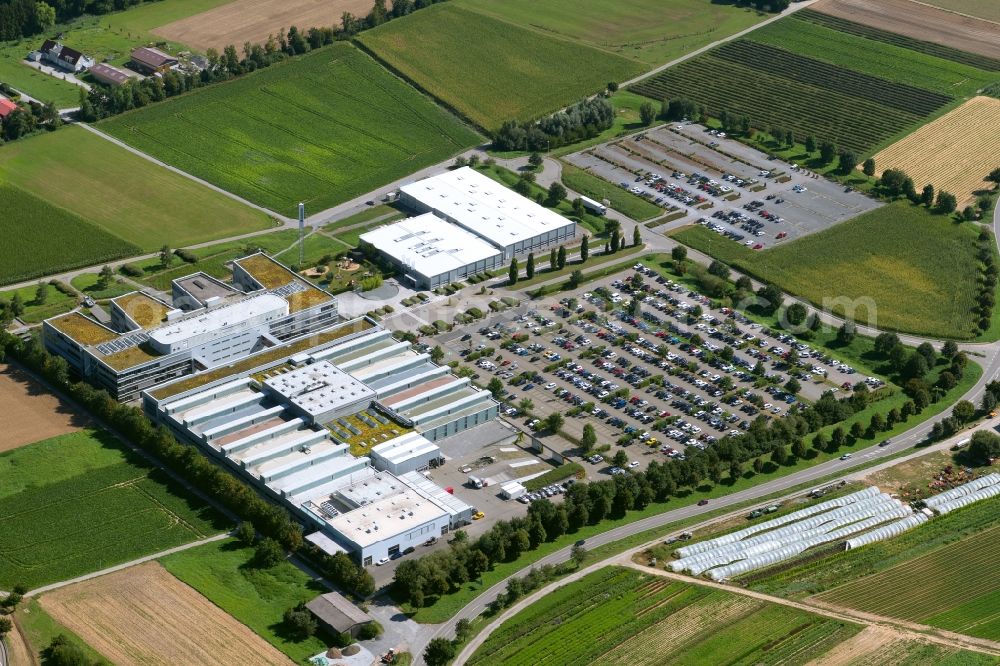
550,386
846,456
380,562
633,464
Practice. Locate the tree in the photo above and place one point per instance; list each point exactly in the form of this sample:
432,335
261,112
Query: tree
886,342
827,151
245,533
616,241
984,447
735,470
525,404
868,168
553,260
770,298
799,448
968,213
554,422
848,160
463,629
647,113
16,306
439,652
792,385
561,257
795,314
636,236
42,293
513,272
994,176
589,437
620,458
166,256
779,456
6,626
535,160
679,253
584,247
810,144
926,350
949,349
299,622
61,652
575,279
578,554
268,553
964,411
846,333
719,269
555,195
529,268
927,195
946,203
437,354
495,387
105,277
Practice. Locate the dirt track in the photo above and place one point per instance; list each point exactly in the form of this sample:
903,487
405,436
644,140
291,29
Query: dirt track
143,615
253,20
30,413
920,22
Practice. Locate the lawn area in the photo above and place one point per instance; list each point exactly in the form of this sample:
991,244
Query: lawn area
490,70
38,238
381,213
41,86
256,597
87,283
619,615
126,195
81,502
319,129
917,270
651,31
40,629
55,303
598,189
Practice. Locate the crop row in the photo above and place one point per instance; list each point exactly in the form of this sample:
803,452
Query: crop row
37,238
797,67
868,32
769,100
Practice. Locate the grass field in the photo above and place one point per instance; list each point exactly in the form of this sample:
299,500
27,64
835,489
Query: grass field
39,629
598,189
985,9
38,238
955,587
55,303
80,503
143,615
126,195
653,31
918,269
622,616
491,70
947,155
87,283
776,87
877,58
320,129
255,597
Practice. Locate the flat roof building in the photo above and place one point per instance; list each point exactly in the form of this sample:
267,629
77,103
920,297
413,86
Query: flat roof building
407,453
488,209
320,392
429,251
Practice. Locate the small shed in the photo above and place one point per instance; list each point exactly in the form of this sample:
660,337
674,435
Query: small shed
338,614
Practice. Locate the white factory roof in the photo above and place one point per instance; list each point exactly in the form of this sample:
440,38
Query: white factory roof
386,518
481,204
319,387
430,245
219,318
405,447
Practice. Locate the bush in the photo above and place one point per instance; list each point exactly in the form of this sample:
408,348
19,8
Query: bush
268,554
132,270
186,255
299,622
370,630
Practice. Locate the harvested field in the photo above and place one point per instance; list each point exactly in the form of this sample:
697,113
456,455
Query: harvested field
984,9
947,153
31,413
18,651
919,21
143,615
254,20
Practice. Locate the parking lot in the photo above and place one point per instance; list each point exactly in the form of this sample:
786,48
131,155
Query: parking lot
674,375
724,182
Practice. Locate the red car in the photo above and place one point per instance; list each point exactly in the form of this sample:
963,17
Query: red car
702,502
757,246
781,235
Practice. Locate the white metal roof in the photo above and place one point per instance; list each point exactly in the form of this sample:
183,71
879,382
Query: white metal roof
319,387
386,518
226,316
430,245
405,447
484,206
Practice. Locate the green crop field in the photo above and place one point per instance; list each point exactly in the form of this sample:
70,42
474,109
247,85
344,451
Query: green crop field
917,269
491,70
80,502
876,58
955,587
320,129
653,31
776,87
622,616
126,195
38,238
256,597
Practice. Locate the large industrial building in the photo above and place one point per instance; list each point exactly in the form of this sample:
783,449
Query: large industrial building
206,323
429,252
509,222
339,428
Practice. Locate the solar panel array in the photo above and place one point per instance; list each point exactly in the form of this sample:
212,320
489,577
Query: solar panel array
122,343
287,290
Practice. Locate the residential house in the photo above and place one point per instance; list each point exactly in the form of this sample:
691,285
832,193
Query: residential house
7,107
67,59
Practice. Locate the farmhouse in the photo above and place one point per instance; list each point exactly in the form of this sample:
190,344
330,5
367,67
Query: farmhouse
207,324
337,614
7,107
64,57
108,75
430,252
148,60
331,426
511,223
